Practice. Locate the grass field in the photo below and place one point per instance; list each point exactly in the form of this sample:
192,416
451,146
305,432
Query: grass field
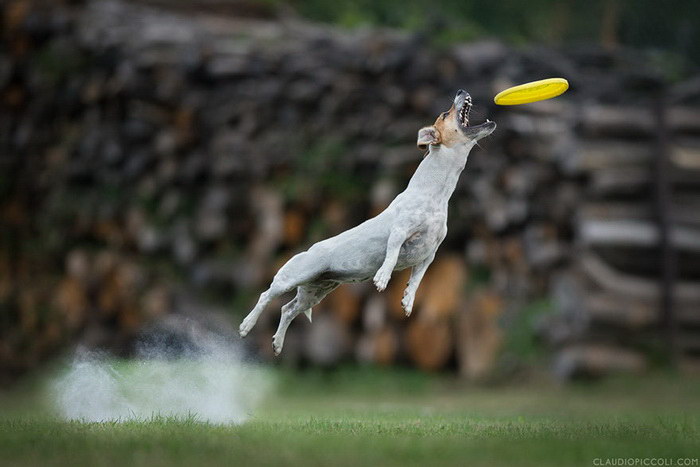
371,417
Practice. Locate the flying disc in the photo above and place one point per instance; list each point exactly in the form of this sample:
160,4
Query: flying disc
532,92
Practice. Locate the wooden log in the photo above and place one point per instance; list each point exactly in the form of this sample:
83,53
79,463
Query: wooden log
618,181
15,13
681,92
684,119
686,210
267,205
157,301
429,344
638,179
585,305
49,337
685,153
105,263
79,266
608,278
595,360
645,262
108,295
478,335
610,120
380,347
383,193
129,316
386,346
374,315
335,216
537,125
443,288
71,301
605,307
344,302
119,286
600,154
327,342
294,226
542,246
615,210
28,303
635,233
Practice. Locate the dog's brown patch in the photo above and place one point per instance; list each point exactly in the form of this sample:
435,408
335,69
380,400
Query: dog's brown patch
447,126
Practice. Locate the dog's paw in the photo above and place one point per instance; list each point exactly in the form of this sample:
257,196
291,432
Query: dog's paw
381,279
246,326
277,344
407,302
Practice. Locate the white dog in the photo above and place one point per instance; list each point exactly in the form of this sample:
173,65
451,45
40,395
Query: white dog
406,234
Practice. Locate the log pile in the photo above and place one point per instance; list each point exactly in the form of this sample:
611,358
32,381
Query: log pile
610,299
147,151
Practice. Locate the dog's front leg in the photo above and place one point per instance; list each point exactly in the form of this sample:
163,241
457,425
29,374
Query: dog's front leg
393,247
417,273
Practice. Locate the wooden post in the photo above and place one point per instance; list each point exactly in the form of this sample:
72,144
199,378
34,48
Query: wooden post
663,205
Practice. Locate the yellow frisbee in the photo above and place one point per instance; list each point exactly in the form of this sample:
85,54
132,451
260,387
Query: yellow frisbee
532,92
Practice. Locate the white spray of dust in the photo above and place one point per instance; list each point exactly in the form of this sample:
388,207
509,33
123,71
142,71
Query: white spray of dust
209,383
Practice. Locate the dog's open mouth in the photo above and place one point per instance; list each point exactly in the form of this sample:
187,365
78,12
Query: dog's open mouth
463,102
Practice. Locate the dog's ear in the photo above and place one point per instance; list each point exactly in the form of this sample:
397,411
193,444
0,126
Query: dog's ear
427,136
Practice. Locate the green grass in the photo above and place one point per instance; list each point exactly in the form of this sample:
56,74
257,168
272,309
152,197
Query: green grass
370,417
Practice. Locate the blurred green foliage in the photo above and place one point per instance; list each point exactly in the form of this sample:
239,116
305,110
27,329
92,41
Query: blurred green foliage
673,25
318,171
521,341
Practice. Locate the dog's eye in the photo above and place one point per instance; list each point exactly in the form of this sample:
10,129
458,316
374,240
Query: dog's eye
444,115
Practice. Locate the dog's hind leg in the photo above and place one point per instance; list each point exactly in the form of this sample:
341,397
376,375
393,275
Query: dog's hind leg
289,312
298,270
417,273
307,297
265,298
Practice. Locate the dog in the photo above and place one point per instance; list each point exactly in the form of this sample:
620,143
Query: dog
405,235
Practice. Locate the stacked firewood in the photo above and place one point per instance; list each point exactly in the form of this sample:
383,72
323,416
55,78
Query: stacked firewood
612,315
149,151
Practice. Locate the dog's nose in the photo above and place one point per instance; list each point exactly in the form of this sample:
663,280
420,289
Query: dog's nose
461,97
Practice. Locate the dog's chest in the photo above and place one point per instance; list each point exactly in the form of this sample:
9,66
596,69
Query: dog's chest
422,243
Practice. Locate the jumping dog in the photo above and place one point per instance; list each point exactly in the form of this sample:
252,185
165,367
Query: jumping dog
405,235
